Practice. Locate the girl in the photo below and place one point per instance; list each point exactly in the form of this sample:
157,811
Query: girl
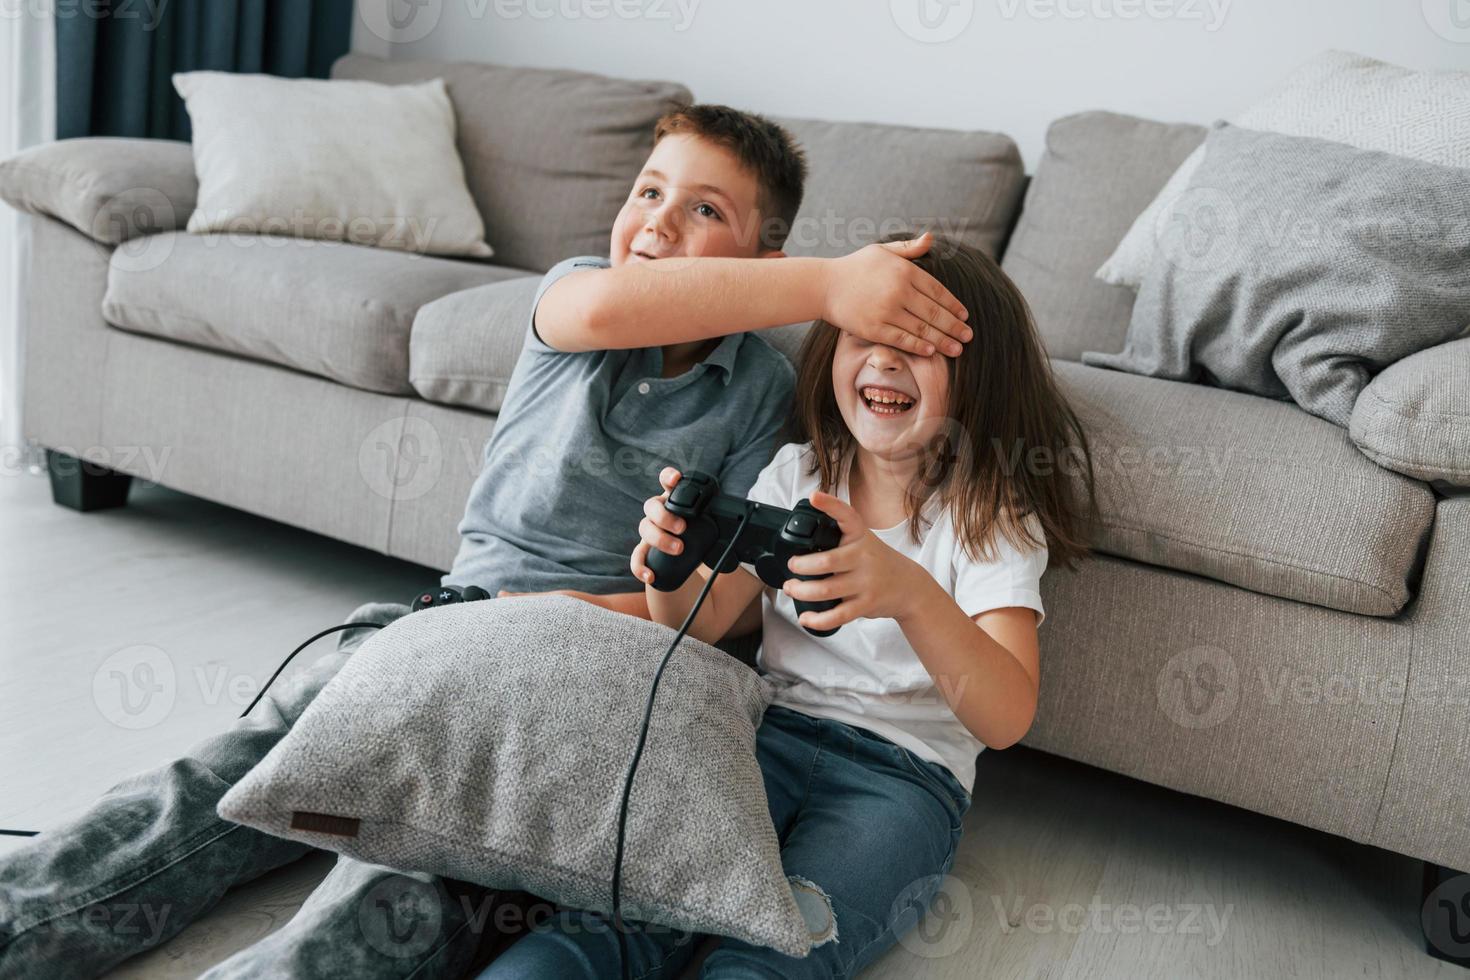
948,478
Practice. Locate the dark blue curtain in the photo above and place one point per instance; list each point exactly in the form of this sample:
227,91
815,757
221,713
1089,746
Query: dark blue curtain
114,58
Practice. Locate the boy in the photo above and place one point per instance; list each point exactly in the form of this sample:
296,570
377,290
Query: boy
631,363
642,358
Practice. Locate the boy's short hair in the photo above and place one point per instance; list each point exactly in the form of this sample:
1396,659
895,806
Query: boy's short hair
766,149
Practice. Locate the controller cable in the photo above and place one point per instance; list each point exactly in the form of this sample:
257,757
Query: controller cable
327,632
617,880
632,766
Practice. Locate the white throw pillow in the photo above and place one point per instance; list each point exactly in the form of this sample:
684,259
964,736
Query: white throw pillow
341,160
1339,96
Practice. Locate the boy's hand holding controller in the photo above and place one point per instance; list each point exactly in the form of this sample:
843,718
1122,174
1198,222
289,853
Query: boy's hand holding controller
659,528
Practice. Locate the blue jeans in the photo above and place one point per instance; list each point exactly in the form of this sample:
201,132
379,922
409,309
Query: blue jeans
868,832
152,855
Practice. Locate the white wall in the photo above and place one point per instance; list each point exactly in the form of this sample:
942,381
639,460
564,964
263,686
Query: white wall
1013,66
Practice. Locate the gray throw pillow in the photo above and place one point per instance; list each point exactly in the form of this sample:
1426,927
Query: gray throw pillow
489,742
1299,268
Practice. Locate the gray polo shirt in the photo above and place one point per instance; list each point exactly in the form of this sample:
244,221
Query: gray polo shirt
579,444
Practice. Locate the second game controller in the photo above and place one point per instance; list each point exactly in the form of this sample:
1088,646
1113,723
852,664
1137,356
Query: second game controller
448,595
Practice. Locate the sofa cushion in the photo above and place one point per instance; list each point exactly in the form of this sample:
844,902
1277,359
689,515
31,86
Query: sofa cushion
465,345
1247,490
866,181
109,189
329,308
549,156
1100,169
1414,418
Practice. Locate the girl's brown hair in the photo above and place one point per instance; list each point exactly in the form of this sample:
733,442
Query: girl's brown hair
1012,446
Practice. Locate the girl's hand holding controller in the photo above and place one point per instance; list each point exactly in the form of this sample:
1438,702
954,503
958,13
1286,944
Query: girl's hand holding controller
658,527
871,579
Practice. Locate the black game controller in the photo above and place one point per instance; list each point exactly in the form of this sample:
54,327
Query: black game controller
771,537
448,595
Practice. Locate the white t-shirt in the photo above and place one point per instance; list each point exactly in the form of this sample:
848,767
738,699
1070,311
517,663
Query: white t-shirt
866,674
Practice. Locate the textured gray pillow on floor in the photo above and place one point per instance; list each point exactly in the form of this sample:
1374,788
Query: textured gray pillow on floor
1299,268
489,742
1414,418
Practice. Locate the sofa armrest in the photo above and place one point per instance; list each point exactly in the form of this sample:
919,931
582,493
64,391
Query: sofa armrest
1414,418
108,189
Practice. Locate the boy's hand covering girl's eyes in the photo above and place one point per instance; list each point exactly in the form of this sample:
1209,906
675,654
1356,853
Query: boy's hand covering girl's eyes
871,579
877,294
658,527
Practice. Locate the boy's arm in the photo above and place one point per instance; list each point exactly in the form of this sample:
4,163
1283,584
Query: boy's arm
875,293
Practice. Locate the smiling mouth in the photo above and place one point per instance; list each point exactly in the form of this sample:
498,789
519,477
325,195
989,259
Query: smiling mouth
886,401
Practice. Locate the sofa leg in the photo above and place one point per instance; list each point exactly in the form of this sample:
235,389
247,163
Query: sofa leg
85,486
1445,914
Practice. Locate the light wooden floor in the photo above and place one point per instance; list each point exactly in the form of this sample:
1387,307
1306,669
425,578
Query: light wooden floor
1066,871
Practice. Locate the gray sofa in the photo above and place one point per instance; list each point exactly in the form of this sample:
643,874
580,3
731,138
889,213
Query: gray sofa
1273,619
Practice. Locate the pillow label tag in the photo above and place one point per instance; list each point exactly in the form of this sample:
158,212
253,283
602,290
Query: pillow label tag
325,823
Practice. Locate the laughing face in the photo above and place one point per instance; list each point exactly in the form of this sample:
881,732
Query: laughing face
892,401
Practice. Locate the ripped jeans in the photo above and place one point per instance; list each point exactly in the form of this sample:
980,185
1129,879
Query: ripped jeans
868,832
152,855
